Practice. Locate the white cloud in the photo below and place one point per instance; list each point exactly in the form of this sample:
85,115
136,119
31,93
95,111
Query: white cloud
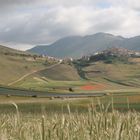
126,3
27,23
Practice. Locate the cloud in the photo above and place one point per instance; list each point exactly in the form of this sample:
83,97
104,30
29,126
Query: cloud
134,4
27,23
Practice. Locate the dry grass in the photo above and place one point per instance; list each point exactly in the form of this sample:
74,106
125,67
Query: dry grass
14,67
118,75
71,126
62,72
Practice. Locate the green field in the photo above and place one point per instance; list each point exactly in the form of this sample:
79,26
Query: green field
120,101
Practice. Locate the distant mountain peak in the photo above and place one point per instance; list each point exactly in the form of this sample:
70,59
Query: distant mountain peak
77,46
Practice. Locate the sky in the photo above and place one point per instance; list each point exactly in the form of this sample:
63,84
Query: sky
27,23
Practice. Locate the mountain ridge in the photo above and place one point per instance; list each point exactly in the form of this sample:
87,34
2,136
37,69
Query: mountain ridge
77,46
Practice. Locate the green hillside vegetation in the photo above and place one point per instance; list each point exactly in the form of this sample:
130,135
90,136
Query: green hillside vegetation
109,59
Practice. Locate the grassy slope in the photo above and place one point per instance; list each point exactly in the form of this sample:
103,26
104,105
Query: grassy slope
14,64
4,49
13,67
120,74
62,72
56,79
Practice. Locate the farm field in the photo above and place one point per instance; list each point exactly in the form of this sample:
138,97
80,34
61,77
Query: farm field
120,101
109,77
49,118
27,72
69,70
38,100
118,80
114,126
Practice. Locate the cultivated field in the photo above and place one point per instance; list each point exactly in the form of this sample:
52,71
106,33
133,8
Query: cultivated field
99,77
113,116
92,125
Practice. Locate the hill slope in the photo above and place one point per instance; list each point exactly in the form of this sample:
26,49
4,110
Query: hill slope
6,50
77,46
112,65
15,64
62,72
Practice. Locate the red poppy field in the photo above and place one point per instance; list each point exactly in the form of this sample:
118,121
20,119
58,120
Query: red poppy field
93,87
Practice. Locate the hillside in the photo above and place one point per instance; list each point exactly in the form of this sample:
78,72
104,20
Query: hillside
104,71
9,51
78,46
15,64
62,72
114,65
111,69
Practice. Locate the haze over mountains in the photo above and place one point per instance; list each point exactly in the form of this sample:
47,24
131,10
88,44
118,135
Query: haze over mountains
77,46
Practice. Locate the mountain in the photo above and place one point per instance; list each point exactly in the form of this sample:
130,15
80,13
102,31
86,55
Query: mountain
78,46
131,43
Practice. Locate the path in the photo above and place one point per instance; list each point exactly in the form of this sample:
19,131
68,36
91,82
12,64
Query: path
28,74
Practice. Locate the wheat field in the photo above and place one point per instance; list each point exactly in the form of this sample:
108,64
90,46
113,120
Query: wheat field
93,125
